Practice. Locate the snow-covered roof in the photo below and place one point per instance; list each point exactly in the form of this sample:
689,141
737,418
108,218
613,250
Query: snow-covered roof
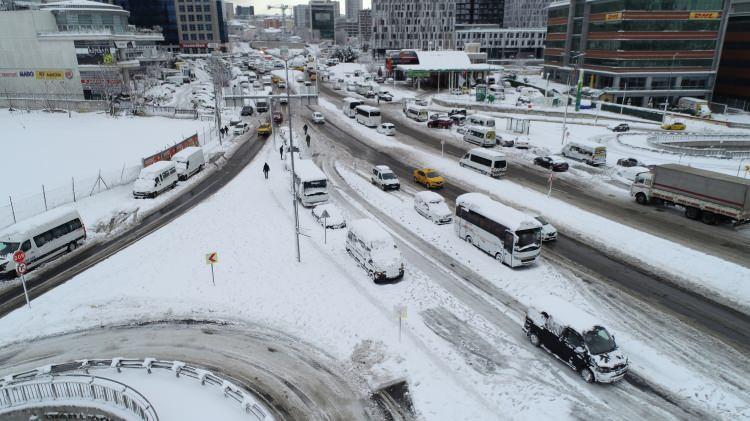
157,167
185,153
82,5
367,108
383,168
565,313
306,170
429,196
51,217
586,143
369,231
443,57
511,218
488,153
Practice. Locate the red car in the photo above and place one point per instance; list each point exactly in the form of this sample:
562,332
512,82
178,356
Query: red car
440,123
278,118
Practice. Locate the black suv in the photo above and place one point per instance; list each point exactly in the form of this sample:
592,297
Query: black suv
576,339
246,110
622,127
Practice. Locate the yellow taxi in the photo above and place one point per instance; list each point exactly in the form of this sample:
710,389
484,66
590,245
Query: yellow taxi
264,129
275,79
428,178
673,126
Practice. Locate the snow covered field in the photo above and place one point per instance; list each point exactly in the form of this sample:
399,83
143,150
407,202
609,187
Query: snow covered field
50,148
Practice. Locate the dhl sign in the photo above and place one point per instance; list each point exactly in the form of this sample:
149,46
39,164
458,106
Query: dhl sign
704,15
613,16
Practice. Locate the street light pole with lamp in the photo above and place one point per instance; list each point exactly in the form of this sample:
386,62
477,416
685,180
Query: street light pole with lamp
567,96
669,89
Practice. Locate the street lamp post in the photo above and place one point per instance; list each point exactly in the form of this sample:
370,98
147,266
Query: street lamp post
285,57
669,89
567,97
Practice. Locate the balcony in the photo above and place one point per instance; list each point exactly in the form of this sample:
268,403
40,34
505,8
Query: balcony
82,32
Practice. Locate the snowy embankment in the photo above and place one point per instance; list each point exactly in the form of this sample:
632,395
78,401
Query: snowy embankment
699,272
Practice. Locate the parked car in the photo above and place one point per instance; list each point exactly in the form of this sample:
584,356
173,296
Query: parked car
278,118
549,232
233,123
383,177
442,123
247,110
374,249
387,129
433,207
435,116
428,178
674,126
264,129
257,84
240,129
389,80
283,100
622,127
551,163
522,143
281,85
421,102
385,96
379,79
318,118
457,92
458,119
576,339
630,162
506,143
370,94
456,111
335,218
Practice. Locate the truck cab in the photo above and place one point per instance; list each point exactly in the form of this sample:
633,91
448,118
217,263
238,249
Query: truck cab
641,187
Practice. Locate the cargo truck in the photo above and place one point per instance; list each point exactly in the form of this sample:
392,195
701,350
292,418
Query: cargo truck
695,106
705,195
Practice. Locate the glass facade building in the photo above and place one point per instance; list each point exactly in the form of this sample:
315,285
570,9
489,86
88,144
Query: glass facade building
733,80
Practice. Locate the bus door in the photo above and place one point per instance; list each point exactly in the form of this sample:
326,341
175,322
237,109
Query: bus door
508,242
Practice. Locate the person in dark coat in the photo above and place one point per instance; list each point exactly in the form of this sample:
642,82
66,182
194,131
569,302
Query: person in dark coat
307,139
266,169
281,152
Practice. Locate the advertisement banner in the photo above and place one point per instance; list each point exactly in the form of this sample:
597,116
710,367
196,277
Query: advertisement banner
609,17
579,89
705,15
168,153
50,74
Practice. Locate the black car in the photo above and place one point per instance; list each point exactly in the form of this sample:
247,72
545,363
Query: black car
246,110
457,111
576,339
630,162
622,127
551,163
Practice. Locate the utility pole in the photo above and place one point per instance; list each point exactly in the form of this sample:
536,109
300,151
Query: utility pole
666,101
285,57
567,99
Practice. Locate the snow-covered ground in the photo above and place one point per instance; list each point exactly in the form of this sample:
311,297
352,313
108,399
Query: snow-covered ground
50,148
346,72
700,272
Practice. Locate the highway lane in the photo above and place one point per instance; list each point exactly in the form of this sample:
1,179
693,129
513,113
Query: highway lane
57,273
669,223
719,321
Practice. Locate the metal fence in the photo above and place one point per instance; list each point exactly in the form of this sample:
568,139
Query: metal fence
715,146
68,370
50,101
66,389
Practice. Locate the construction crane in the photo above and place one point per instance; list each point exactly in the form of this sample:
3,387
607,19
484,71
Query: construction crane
283,8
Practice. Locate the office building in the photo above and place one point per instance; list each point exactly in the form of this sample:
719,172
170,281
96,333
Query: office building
500,43
365,26
74,50
323,15
412,24
201,24
243,12
733,80
353,8
479,12
646,51
525,13
150,13
301,15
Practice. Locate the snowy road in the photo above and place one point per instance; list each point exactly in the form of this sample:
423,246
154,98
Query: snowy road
720,241
292,377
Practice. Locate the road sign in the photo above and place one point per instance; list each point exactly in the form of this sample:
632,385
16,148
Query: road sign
19,256
21,268
212,258
325,215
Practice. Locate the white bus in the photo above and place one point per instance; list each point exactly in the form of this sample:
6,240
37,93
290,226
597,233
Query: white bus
481,120
417,112
311,181
508,235
367,115
591,153
42,238
482,136
350,105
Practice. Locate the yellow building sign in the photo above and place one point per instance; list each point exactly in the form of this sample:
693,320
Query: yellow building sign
50,74
613,16
705,15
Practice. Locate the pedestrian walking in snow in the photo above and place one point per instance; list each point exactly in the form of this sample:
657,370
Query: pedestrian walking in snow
307,140
266,169
281,152
226,130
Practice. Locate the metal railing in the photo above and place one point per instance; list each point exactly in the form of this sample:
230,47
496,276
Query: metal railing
75,389
712,145
20,389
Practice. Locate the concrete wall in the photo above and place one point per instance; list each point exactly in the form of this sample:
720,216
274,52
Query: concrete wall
32,66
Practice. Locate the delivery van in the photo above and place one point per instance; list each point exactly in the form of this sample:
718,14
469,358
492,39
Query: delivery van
188,162
155,179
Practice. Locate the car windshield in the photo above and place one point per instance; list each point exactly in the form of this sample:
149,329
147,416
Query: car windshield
433,174
388,176
541,220
528,239
599,341
7,248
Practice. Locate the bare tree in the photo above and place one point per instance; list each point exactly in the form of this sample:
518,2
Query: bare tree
220,74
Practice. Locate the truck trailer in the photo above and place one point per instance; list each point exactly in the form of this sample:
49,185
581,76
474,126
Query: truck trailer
705,195
695,106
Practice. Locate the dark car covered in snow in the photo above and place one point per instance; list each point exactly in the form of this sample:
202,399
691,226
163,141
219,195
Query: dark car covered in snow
576,339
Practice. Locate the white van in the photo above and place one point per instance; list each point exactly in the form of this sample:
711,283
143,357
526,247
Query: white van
479,135
42,238
155,179
189,161
589,152
417,112
486,161
374,249
175,80
481,120
433,207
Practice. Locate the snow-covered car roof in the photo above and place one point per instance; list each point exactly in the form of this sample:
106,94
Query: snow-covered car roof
370,232
564,313
383,168
429,196
61,214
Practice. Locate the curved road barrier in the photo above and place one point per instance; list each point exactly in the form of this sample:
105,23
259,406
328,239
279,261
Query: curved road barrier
727,146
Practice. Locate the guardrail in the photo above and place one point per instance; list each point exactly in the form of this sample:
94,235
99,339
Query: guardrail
20,389
718,144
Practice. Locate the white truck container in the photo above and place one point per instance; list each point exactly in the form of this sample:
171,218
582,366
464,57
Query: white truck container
705,195
696,106
189,161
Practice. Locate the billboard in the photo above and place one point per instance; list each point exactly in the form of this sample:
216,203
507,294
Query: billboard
168,153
